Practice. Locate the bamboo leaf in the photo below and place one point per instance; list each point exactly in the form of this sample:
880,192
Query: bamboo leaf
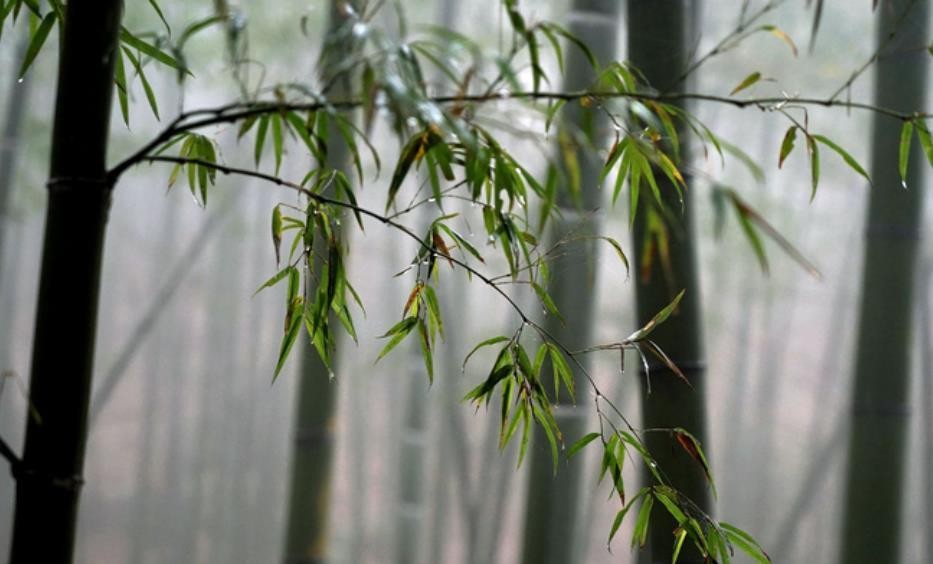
849,160
679,535
291,334
277,232
158,10
904,150
621,254
620,516
579,444
151,50
486,343
278,277
779,33
814,153
658,319
277,141
398,332
119,78
923,133
746,82
426,350
787,144
147,88
36,41
640,533
745,542
547,301
260,139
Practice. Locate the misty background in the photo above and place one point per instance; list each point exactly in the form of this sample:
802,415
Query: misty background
188,454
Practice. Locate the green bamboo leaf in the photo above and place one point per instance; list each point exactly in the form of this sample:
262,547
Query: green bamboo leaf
426,350
658,319
147,88
412,150
277,232
119,78
291,334
197,26
849,160
640,533
618,249
746,82
923,133
158,10
561,368
745,542
151,50
666,496
398,332
719,547
580,443
526,433
679,535
814,153
745,159
542,419
434,308
36,41
555,44
260,139
277,140
751,233
787,144
547,301
904,150
278,277
533,54
620,516
579,43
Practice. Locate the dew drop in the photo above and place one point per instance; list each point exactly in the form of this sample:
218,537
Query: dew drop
432,199
331,375
490,239
19,80
904,184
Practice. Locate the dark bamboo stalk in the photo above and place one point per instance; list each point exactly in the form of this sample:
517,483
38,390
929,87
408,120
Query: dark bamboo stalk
659,46
551,535
310,485
49,478
880,403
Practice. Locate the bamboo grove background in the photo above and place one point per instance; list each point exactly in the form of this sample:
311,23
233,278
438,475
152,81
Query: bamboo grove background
190,446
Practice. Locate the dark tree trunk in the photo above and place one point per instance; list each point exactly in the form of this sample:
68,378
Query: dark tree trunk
49,478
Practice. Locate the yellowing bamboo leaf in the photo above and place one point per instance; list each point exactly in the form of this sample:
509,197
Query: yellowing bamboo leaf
779,33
